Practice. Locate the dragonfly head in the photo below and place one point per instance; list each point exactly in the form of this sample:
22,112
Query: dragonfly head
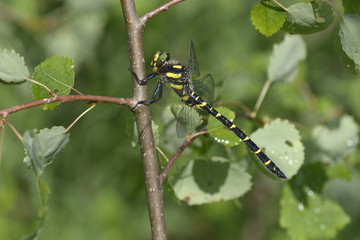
160,59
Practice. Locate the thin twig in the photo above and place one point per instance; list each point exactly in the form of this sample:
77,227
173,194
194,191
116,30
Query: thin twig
334,7
237,104
261,97
75,90
42,85
48,89
15,130
173,159
280,5
162,8
1,135
77,119
70,98
162,153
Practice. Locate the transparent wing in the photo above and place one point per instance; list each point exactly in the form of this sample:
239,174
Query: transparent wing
169,97
193,64
187,119
204,87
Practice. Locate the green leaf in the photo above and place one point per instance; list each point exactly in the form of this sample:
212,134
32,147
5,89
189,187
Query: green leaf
267,17
42,147
346,193
12,67
57,74
221,133
285,58
308,18
318,219
43,191
351,6
337,141
280,141
338,170
350,36
206,181
345,60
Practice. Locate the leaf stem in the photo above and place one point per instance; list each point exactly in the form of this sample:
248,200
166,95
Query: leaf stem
280,5
14,130
42,85
261,97
162,153
77,119
334,7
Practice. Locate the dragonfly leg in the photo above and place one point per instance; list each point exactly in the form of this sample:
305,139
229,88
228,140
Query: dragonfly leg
155,97
142,81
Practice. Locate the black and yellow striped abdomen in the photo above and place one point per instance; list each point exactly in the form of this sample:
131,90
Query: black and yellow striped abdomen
195,100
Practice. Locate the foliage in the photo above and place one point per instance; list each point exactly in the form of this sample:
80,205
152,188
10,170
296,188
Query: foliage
306,120
57,74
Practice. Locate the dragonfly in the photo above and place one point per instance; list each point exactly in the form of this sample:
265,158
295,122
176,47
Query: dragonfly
180,79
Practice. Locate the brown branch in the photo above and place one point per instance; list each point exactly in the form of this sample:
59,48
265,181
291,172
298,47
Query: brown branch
154,191
181,149
69,98
156,11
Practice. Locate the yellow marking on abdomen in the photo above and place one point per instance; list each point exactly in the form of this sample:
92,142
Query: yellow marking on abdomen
173,75
176,86
232,126
258,151
267,163
245,139
177,66
202,104
185,98
218,115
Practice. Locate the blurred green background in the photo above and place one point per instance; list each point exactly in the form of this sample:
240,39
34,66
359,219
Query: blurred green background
97,184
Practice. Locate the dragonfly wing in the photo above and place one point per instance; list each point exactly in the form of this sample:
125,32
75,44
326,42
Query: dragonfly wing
204,87
187,119
193,64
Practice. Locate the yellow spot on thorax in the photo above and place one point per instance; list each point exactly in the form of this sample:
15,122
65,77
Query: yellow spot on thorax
173,75
176,86
177,66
